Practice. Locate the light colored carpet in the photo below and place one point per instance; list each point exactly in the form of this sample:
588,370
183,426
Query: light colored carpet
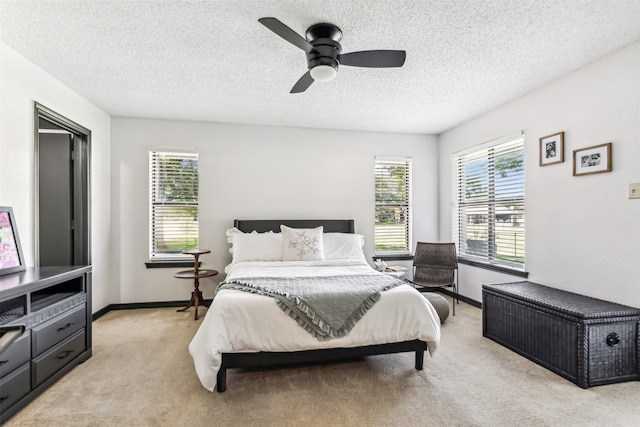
141,374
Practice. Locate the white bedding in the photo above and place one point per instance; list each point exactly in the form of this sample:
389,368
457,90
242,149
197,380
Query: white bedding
239,321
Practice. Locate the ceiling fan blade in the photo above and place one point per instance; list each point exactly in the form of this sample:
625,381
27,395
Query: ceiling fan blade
286,33
374,58
302,84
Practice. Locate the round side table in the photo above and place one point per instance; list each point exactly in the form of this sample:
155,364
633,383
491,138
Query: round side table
397,272
196,274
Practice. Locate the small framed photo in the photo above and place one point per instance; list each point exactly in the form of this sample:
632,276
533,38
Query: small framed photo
552,149
11,259
596,159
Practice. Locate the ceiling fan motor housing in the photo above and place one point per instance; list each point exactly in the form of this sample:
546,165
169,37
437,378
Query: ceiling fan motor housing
324,53
325,40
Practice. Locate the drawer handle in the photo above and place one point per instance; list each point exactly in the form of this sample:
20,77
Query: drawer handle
65,327
613,339
64,354
3,398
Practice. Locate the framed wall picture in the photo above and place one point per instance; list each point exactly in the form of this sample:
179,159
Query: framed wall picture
552,149
596,159
11,259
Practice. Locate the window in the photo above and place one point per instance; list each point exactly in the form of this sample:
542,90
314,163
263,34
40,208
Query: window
393,206
489,224
173,186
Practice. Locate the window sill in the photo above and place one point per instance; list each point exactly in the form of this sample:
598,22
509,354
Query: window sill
494,267
396,257
170,264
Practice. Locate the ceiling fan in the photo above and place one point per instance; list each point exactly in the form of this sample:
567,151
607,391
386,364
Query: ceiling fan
324,53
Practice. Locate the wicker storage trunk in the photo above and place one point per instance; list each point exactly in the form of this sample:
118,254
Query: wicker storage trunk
586,340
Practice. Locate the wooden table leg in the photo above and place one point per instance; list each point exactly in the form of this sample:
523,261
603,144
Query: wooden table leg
189,304
196,274
196,298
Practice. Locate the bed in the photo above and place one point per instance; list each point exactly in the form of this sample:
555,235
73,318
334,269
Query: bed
248,330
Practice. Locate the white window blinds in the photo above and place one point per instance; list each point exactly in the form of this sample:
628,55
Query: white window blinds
489,217
393,206
173,185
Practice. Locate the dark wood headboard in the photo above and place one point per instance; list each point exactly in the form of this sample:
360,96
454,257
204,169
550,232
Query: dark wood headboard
264,225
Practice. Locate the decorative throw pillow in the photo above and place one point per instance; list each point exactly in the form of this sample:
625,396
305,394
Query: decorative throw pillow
254,246
302,244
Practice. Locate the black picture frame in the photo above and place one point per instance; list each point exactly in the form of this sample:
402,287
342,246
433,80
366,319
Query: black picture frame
11,257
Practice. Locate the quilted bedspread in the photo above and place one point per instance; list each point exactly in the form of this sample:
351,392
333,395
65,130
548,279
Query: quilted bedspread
326,307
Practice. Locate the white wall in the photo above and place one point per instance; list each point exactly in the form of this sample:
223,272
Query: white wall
22,84
255,172
583,234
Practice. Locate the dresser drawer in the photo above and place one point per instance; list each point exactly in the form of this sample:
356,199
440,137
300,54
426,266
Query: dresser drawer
55,359
54,331
14,387
18,353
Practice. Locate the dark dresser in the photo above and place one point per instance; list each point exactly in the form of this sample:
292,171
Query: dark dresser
586,340
54,305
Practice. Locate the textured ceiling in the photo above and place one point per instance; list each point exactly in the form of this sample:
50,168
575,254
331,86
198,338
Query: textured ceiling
213,61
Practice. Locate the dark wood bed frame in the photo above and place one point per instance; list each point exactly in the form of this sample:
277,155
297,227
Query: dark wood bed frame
264,359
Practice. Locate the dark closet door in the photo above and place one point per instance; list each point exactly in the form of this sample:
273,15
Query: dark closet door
55,199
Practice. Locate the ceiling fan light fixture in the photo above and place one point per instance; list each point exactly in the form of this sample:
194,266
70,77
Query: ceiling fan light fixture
323,73
324,52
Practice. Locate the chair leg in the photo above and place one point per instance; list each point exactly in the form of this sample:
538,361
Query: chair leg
456,295
453,301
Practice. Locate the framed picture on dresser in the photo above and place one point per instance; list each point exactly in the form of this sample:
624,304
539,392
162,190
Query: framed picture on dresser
11,258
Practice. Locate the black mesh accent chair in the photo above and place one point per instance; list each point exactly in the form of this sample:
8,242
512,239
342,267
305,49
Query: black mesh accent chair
435,265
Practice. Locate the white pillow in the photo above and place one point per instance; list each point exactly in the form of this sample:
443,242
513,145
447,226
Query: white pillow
302,244
343,246
254,246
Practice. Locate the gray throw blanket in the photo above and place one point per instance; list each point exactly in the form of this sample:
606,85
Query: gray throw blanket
326,307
